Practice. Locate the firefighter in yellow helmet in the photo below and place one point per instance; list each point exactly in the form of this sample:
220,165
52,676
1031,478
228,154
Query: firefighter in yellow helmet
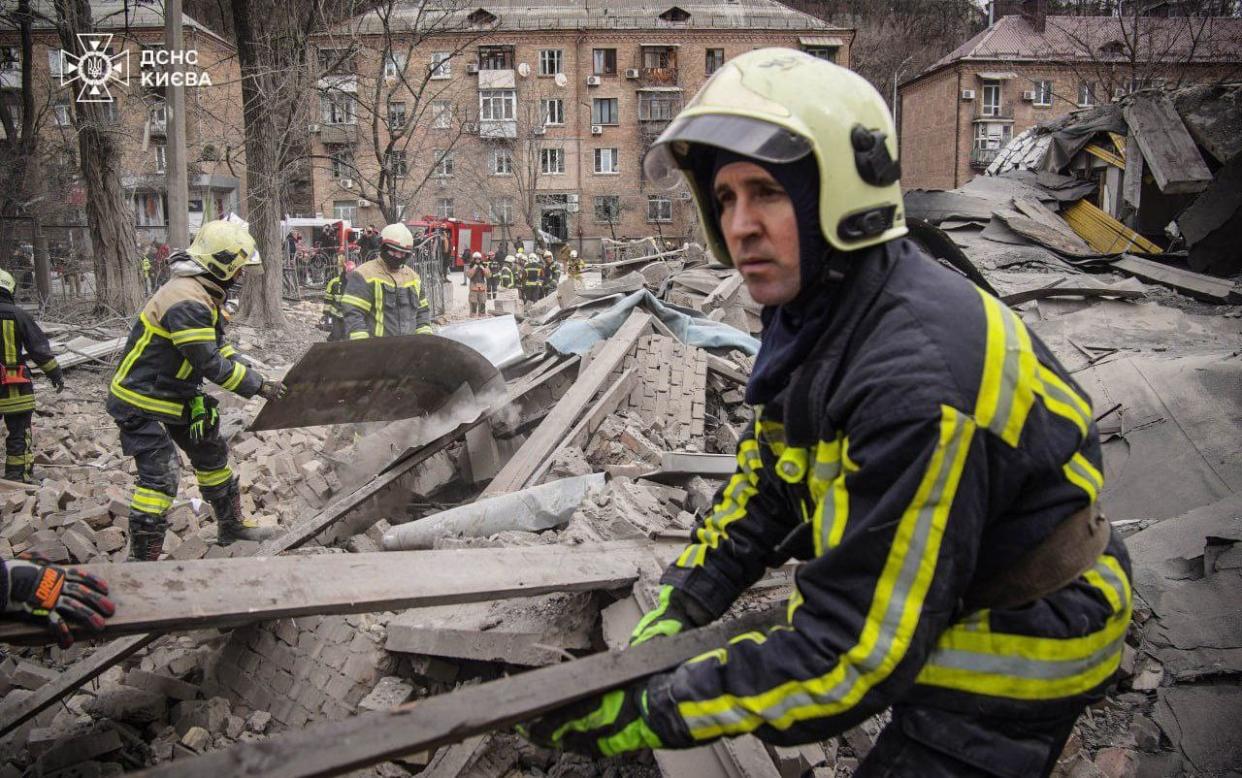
384,296
22,338
156,395
924,455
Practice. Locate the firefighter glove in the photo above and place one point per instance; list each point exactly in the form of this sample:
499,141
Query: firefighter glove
674,613
273,390
54,596
57,377
601,726
203,418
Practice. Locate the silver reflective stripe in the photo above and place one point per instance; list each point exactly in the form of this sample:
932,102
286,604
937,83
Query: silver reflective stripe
889,623
1018,667
1092,478
1009,374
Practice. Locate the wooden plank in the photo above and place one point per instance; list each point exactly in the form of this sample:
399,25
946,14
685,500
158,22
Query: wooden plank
1017,298
333,748
607,404
1132,183
173,595
47,695
522,388
92,353
726,369
551,431
1046,236
1197,285
723,291
1104,233
1170,152
1099,152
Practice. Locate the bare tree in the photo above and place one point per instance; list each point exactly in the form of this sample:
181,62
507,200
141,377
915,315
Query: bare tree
110,218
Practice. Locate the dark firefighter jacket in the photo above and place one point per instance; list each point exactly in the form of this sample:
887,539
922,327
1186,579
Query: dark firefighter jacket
506,276
532,275
379,302
930,440
22,338
332,293
177,341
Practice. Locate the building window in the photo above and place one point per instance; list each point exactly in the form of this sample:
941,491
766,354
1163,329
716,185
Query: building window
495,58
659,208
346,210
828,53
501,161
1043,93
394,64
441,64
61,114
55,62
655,57
658,106
606,161
497,104
992,135
397,165
553,111
607,208
550,62
342,159
161,157
110,114
443,167
396,116
502,210
552,161
604,62
991,102
604,111
336,62
1086,94
444,207
441,114
338,108
715,59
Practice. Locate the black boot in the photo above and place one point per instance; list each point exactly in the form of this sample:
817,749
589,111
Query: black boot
146,537
230,526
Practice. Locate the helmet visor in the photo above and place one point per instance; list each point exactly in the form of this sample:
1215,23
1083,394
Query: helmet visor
739,134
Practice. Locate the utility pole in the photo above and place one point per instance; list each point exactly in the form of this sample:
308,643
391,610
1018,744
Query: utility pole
174,162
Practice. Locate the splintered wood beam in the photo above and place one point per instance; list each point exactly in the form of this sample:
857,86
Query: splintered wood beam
334,748
552,430
214,593
1168,148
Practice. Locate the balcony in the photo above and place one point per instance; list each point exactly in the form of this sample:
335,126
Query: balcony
993,113
981,158
338,133
497,79
657,76
497,128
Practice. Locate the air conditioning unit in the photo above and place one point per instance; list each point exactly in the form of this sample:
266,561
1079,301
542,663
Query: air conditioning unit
363,203
968,94
312,128
347,183
1028,96
593,81
540,130
472,68
470,127
572,202
631,72
684,195
597,130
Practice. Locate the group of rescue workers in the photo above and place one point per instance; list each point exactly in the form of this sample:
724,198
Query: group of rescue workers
920,451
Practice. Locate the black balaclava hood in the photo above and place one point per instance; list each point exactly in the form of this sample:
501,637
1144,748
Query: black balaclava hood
790,330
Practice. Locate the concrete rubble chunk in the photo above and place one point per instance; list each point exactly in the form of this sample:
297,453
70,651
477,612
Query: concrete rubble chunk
81,748
133,706
169,687
390,692
259,721
196,739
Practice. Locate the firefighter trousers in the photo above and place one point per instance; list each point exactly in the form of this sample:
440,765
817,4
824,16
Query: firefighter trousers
153,445
926,742
18,447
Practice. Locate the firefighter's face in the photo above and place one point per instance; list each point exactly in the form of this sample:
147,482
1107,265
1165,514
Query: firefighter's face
760,229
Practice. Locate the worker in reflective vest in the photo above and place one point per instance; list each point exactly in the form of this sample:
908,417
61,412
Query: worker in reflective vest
925,456
384,297
21,338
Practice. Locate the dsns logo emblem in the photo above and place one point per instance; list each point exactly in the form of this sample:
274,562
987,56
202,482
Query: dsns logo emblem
94,68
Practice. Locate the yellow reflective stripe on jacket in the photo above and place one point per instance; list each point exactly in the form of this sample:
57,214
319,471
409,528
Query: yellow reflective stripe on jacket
1007,387
358,335
379,307
891,620
1035,668
357,302
730,508
152,404
235,378
194,335
155,405
49,365
184,371
1080,472
10,343
152,326
16,402
213,477
1060,399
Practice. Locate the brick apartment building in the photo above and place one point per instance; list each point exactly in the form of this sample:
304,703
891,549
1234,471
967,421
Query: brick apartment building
138,115
1029,67
525,114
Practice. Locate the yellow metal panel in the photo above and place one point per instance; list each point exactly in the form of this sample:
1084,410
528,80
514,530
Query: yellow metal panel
1097,150
1105,234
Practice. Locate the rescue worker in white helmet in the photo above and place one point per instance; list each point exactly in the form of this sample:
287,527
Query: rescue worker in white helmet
384,297
21,338
925,455
156,395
